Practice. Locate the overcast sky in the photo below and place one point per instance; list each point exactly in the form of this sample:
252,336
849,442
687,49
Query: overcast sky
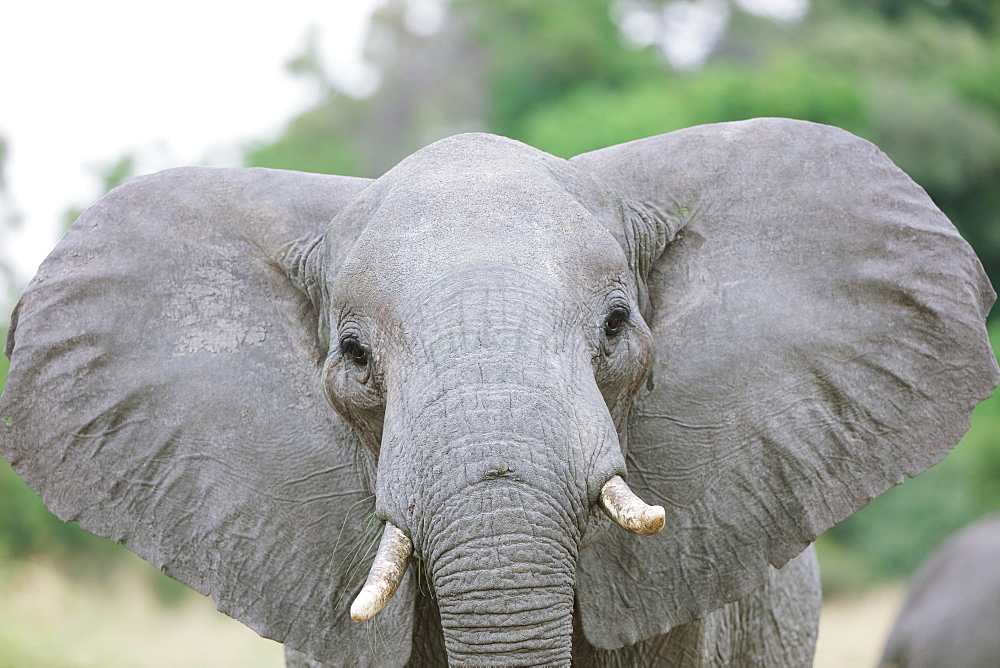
84,83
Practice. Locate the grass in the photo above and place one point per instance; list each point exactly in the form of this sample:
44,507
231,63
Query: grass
50,618
853,628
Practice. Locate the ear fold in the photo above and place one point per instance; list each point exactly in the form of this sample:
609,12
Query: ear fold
819,334
164,391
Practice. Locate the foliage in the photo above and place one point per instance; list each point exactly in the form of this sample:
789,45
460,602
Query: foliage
538,53
788,87
925,91
312,142
982,14
431,88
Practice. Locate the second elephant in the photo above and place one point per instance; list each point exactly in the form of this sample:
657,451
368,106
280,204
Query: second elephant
951,615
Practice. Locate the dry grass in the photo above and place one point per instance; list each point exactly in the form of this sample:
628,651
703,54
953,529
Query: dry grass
853,629
49,619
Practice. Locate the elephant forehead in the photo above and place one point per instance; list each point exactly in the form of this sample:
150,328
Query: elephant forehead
419,236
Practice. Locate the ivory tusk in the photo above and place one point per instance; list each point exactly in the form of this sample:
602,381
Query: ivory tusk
629,511
387,571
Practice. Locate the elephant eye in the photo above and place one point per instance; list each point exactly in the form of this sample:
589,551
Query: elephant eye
615,324
354,351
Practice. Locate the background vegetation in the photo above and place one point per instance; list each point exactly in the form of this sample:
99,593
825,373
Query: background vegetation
921,79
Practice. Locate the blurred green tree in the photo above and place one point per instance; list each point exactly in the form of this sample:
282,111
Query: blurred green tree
924,89
982,14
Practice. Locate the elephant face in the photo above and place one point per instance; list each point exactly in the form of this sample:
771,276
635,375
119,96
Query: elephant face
239,374
486,342
543,287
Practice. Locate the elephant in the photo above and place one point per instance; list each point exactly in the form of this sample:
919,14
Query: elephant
591,410
951,614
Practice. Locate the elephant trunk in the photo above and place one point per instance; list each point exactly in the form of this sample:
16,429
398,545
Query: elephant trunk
494,451
505,584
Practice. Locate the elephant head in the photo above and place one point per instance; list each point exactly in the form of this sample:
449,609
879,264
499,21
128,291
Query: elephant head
240,373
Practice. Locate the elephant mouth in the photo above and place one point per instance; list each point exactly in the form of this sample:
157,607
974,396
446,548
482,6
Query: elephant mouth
618,502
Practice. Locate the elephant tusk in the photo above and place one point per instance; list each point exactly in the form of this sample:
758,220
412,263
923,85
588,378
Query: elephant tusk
629,511
387,571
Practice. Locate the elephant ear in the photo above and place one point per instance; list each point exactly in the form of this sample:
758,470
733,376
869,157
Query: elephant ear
819,334
164,391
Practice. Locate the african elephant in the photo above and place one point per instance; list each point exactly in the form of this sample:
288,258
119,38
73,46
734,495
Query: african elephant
247,376
951,615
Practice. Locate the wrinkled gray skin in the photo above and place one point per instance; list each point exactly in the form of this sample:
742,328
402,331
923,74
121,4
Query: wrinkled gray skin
951,615
760,325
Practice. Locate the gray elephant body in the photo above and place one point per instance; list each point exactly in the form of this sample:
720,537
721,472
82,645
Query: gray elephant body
951,615
243,375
